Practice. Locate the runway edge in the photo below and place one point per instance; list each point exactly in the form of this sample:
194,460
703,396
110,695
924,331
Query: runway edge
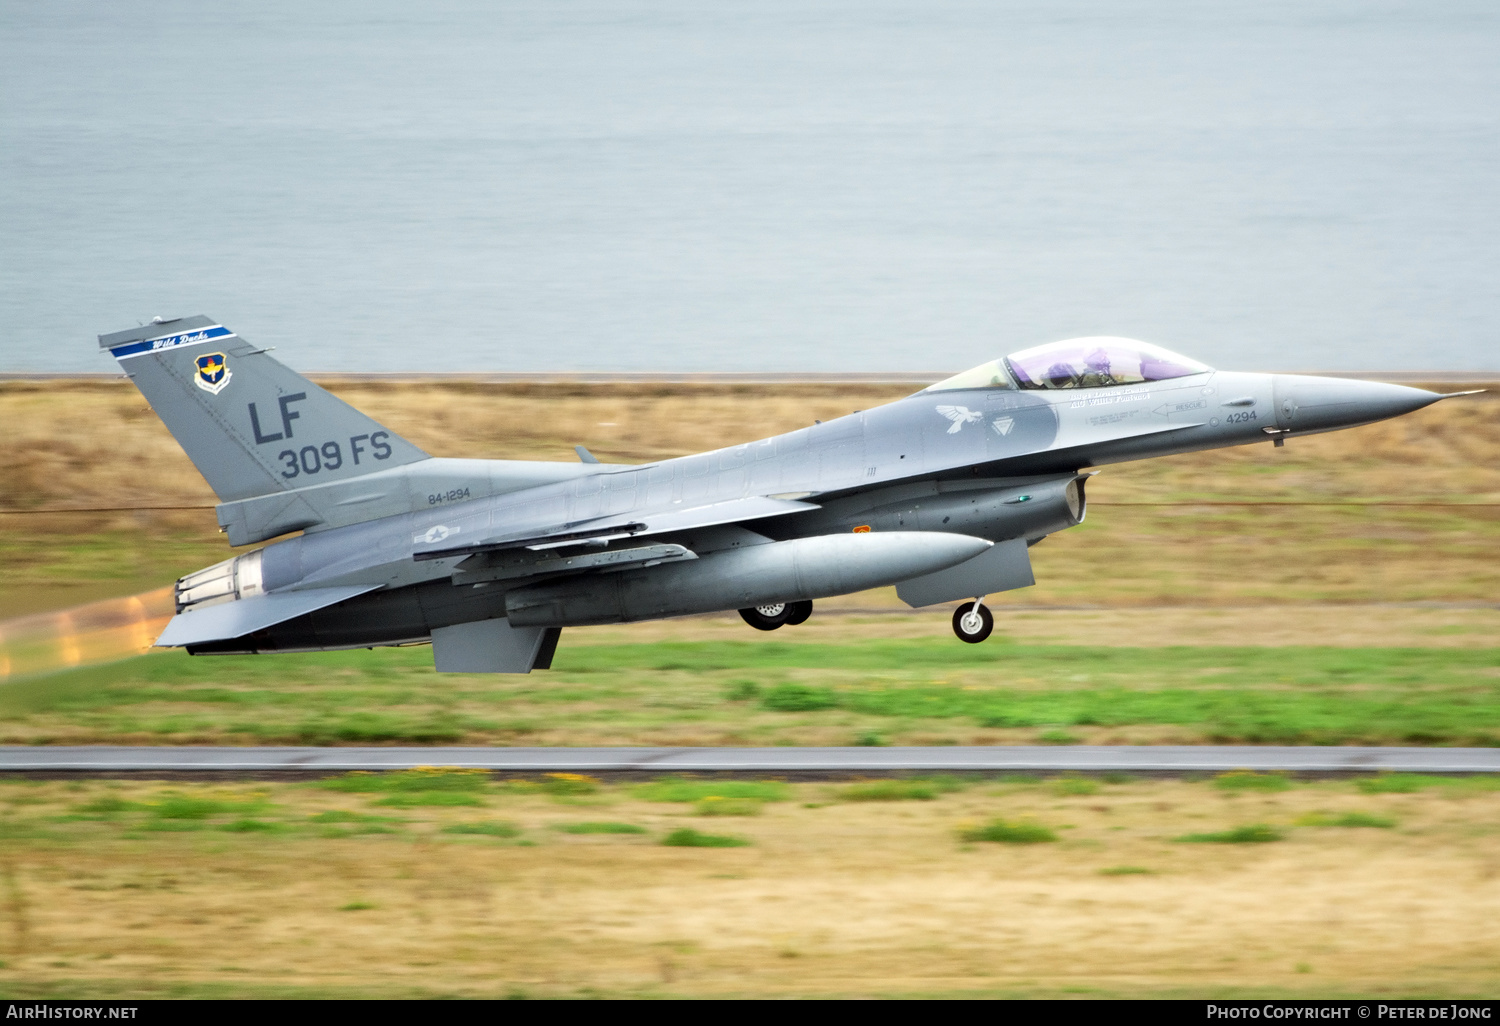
111,760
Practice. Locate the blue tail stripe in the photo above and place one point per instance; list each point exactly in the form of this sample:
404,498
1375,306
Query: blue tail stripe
182,338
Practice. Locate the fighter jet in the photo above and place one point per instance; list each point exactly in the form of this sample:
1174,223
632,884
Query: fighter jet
940,493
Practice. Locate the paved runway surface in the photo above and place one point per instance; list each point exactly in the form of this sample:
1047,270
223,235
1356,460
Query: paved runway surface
773,761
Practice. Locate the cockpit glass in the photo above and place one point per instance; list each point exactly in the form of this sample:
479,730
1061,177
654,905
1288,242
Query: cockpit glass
1097,362
986,375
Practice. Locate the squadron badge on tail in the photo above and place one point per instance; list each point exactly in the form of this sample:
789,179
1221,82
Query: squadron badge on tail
213,373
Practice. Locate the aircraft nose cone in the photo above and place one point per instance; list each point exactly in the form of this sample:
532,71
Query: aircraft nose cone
1305,403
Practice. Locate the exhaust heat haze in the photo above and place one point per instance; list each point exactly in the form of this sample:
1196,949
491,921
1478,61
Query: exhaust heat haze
97,632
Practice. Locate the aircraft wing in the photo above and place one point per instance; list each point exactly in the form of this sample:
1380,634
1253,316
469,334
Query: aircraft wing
229,620
634,525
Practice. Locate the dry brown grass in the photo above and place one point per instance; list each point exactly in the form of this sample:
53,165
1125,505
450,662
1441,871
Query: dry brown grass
867,898
98,444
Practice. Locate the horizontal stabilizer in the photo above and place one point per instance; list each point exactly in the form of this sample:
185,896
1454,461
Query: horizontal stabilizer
246,616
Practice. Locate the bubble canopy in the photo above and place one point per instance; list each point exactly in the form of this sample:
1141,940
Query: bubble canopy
1077,363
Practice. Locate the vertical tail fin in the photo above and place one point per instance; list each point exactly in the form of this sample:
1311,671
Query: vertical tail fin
249,424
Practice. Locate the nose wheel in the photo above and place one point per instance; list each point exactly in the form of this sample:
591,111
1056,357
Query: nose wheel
973,622
776,614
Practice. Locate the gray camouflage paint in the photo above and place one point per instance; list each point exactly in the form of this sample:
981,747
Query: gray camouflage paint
285,455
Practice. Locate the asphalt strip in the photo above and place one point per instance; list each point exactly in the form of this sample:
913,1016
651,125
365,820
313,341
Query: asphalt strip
810,762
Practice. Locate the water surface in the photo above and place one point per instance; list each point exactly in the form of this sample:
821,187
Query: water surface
754,186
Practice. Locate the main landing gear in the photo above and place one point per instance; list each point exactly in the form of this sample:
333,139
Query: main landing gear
777,614
973,622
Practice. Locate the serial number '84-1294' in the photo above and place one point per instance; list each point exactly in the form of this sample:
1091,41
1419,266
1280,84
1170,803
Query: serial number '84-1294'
314,459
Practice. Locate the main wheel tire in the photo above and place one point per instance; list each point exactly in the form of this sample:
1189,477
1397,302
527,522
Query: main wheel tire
798,612
973,622
767,617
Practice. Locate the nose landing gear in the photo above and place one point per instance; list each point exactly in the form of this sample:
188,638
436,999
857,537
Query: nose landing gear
776,614
973,622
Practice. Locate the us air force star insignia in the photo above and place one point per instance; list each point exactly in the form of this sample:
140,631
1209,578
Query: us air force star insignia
960,415
1002,425
213,372
435,534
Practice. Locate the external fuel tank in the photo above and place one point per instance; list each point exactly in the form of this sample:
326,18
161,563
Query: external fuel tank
786,571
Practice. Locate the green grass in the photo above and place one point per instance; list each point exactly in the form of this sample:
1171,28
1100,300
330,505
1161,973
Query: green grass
687,837
714,805
409,781
916,788
108,805
342,823
174,826
1399,783
568,785
177,806
1412,783
799,698
894,691
676,790
1478,783
487,829
1126,871
410,789
1000,831
742,690
1244,780
421,799
252,826
361,830
559,785
344,816
889,791
1346,819
600,828
53,565
1068,786
1255,833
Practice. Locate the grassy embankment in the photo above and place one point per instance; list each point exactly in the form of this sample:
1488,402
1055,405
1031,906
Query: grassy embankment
90,445
918,690
1312,584
450,884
